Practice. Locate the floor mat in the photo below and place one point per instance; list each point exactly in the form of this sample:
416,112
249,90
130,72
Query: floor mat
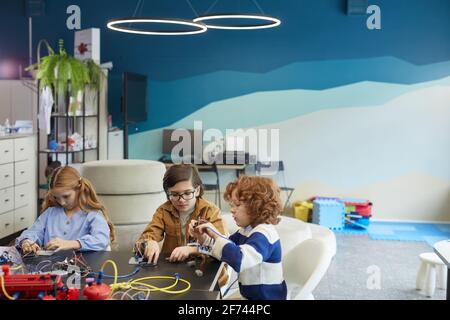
400,231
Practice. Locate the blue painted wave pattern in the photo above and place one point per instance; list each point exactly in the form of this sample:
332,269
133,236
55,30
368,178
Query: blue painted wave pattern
174,100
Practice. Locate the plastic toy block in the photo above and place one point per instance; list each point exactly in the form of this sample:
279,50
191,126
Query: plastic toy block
356,223
349,229
350,209
302,210
329,212
361,206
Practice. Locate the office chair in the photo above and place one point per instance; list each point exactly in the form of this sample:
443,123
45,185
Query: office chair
259,168
212,187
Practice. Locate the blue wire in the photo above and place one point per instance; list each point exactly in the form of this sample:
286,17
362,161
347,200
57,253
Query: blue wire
120,277
229,288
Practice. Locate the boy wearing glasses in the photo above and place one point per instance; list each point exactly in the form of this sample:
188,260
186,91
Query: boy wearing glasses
171,220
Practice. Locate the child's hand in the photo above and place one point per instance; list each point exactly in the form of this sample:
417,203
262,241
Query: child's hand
199,236
139,247
58,244
181,254
193,224
191,228
29,246
152,251
208,229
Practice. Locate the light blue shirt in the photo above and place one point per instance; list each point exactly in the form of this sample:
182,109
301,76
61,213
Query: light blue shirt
90,229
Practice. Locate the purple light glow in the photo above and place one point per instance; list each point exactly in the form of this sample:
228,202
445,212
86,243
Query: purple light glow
8,69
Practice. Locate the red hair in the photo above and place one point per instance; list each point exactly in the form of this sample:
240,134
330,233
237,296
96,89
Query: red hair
260,195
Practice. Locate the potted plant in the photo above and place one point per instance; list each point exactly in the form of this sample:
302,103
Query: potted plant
96,76
61,71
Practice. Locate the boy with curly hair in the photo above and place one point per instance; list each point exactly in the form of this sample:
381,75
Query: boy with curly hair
254,251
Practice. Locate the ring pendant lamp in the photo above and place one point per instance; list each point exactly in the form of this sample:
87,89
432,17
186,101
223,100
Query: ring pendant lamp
118,25
199,25
267,22
124,24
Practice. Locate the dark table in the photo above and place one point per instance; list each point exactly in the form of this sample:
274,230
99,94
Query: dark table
202,288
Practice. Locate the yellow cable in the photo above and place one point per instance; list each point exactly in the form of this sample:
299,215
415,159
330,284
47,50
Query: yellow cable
115,275
151,288
16,268
130,284
5,293
115,269
154,288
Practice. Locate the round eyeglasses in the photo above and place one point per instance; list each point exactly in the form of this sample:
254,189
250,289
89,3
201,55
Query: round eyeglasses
187,195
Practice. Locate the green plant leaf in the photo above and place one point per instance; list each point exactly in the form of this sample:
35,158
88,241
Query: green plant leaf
71,74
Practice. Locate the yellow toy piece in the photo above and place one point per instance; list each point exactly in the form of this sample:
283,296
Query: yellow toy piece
302,210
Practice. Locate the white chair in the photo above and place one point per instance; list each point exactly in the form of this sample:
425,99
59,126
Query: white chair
130,189
304,267
326,235
432,268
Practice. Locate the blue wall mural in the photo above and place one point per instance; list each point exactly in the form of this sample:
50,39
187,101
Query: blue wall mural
314,35
360,112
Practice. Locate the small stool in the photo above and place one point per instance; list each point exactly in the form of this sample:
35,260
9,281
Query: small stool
431,267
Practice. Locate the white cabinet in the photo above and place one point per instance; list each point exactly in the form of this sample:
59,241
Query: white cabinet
23,149
115,145
6,200
22,219
7,175
23,172
6,224
18,194
22,195
6,151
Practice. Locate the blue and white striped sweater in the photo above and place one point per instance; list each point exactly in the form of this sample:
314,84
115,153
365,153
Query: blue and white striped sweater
256,255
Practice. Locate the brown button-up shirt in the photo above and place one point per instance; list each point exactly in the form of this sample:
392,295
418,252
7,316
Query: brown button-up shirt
166,224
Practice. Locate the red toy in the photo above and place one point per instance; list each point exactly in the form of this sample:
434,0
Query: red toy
96,290
68,294
31,286
362,207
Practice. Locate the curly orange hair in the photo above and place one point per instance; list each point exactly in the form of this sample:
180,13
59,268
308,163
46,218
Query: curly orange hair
260,195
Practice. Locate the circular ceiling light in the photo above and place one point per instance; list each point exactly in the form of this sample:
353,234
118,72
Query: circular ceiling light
117,25
267,22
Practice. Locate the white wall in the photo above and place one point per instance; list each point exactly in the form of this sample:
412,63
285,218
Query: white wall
17,101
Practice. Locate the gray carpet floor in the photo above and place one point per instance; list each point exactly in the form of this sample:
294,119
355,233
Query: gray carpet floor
397,261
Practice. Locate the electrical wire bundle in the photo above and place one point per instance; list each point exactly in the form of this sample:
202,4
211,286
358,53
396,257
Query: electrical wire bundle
44,266
141,285
57,263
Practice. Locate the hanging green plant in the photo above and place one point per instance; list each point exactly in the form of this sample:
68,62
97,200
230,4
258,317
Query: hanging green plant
96,74
60,71
91,93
